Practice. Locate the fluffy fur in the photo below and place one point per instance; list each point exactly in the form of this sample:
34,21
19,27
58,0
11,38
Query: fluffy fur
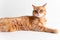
27,23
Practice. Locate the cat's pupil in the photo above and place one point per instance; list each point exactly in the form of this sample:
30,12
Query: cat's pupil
41,10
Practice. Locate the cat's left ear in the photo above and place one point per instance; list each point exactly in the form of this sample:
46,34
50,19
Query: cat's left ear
44,5
34,6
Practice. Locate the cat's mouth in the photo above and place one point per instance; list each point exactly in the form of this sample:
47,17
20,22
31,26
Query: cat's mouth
39,15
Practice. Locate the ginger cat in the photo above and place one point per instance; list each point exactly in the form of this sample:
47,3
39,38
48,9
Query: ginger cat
40,11
27,23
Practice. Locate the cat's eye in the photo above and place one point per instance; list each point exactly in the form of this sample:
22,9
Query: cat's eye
41,10
35,11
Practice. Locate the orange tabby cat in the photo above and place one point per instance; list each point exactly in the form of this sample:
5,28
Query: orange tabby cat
40,11
27,23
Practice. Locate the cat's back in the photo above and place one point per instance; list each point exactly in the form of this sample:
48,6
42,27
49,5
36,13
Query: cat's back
29,19
22,19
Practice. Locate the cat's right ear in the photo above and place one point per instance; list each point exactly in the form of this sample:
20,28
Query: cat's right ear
34,6
44,5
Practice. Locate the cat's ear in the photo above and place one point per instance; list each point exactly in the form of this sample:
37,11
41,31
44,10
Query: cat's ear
44,5
34,6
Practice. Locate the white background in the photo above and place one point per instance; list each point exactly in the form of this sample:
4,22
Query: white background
15,8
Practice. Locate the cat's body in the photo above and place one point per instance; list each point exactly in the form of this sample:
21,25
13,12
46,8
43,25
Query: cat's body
19,23
27,23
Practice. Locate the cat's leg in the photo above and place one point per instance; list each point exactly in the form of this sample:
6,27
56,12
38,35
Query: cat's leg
45,29
43,20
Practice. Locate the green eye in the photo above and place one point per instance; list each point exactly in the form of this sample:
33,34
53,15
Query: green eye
41,10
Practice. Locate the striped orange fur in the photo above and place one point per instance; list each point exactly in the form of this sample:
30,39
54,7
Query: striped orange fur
27,23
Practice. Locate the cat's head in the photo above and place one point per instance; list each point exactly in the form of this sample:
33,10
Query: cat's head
39,11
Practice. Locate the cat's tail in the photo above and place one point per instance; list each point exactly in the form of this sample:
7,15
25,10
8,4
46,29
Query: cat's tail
49,30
